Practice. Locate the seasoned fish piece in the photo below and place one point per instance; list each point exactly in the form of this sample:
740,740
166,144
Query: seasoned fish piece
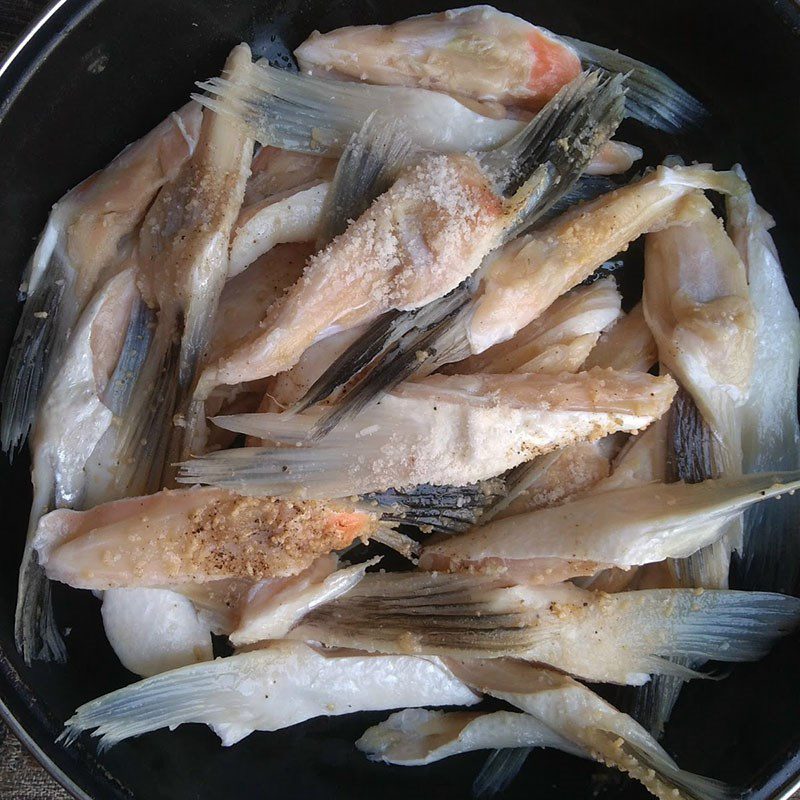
488,56
559,340
588,723
86,239
70,423
183,256
444,429
268,689
476,52
622,528
628,345
614,158
768,417
546,263
247,298
193,536
414,737
172,636
615,638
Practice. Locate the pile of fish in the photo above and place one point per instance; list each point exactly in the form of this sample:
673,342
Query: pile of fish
369,304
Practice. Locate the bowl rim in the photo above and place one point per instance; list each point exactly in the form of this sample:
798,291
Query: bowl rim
22,59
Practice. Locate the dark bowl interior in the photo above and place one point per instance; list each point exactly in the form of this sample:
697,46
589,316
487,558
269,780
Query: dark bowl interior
742,59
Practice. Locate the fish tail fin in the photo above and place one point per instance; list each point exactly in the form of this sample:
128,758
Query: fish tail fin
651,704
135,347
653,98
546,158
47,316
369,164
444,509
498,771
35,630
145,427
294,111
396,346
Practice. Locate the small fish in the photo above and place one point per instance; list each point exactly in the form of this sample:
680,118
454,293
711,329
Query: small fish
280,685
608,638
589,723
619,528
82,245
71,421
429,231
183,260
490,57
559,713
193,536
442,430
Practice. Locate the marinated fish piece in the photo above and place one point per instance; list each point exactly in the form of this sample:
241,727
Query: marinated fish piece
86,239
628,345
193,536
71,421
559,340
428,232
414,737
173,636
548,262
614,158
516,285
268,689
183,257
614,638
768,417
291,216
621,528
476,52
273,607
588,723
491,57
444,429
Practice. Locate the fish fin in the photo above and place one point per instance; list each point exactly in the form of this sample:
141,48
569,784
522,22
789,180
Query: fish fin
400,344
138,338
35,630
653,98
49,312
444,509
164,700
499,770
565,134
145,429
651,704
368,166
588,187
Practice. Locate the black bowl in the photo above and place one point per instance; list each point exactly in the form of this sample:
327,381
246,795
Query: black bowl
63,117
